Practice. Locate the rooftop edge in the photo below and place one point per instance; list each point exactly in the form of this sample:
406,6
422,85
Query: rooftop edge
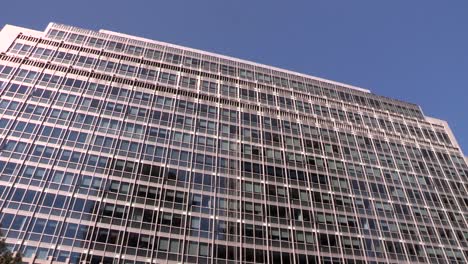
105,31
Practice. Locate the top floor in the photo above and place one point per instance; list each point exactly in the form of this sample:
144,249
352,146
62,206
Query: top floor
223,66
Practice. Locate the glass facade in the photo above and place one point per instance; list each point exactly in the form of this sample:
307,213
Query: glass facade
116,149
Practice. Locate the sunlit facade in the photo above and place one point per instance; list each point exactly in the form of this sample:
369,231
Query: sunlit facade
118,149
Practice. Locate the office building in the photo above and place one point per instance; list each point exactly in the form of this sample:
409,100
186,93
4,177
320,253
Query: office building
119,149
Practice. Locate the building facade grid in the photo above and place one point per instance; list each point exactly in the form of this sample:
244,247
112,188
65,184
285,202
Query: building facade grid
114,149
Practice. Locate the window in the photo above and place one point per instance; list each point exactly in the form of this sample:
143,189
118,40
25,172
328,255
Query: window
64,57
21,48
147,74
95,42
112,45
163,244
229,91
209,87
173,58
134,50
188,82
87,62
174,246
42,53
76,38
128,70
192,62
228,70
204,249
192,248
152,54
107,66
168,78
62,177
210,66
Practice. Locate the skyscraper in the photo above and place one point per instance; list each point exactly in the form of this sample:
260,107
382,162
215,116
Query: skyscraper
118,149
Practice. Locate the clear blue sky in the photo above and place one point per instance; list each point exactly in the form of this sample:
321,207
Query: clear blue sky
413,50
